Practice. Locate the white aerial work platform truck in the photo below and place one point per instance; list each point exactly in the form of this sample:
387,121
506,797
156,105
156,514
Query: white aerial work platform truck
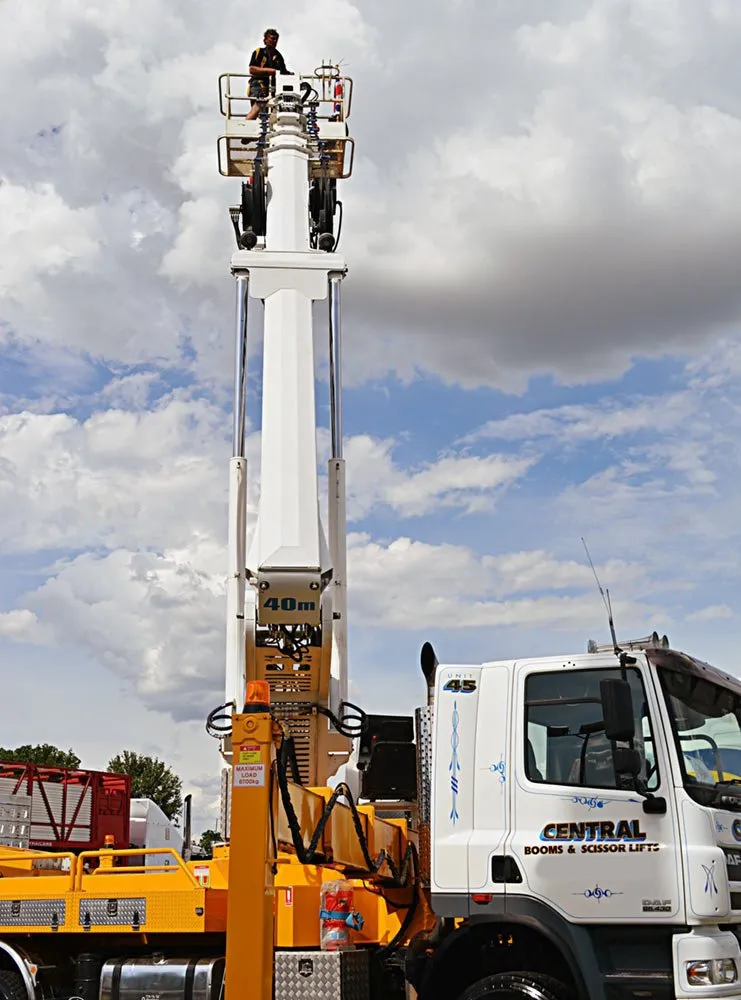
553,828
578,817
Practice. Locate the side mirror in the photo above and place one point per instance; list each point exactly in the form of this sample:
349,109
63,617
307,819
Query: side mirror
617,709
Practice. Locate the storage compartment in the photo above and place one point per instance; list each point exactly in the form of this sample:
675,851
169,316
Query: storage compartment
163,978
316,975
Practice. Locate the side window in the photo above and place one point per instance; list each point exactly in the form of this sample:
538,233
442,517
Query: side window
566,744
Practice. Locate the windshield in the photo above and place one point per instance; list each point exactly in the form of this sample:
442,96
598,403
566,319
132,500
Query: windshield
707,728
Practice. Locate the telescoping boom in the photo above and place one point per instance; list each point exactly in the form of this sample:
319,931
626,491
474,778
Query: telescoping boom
286,615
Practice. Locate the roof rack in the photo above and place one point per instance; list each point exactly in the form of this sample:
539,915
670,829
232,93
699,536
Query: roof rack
648,642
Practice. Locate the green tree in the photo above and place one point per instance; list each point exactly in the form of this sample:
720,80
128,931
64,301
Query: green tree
40,753
208,839
151,779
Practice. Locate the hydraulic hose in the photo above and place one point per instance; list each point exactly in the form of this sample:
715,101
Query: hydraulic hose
311,855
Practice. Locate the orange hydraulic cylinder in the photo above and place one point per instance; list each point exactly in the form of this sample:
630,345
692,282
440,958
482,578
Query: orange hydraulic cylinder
250,918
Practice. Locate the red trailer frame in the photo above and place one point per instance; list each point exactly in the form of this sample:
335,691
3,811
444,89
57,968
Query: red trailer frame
110,806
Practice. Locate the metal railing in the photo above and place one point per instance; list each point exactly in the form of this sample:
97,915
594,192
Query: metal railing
325,101
136,852
10,858
318,87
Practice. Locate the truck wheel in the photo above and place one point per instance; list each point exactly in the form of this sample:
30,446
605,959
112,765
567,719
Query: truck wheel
12,986
517,986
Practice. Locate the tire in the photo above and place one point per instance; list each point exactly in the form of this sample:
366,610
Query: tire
12,986
517,986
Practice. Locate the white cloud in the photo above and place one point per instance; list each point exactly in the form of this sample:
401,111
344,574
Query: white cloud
42,234
119,238
144,596
114,478
409,584
141,498
538,570
132,391
578,423
155,620
23,625
712,612
467,482
590,220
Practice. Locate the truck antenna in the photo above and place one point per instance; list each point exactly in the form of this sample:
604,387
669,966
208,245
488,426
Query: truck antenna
605,595
622,656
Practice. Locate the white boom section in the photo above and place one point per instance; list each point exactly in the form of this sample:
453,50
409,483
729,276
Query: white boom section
289,536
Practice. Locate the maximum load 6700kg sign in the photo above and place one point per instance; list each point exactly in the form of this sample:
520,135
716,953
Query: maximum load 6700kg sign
249,775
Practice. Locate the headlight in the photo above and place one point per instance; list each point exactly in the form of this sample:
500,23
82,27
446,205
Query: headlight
712,972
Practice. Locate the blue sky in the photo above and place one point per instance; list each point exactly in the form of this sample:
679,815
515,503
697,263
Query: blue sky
540,342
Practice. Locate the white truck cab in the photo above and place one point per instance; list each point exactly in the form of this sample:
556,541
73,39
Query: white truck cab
585,824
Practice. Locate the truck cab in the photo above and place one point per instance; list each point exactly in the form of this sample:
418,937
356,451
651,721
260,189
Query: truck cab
585,825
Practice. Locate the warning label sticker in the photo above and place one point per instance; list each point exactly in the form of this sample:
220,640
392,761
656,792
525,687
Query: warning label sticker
202,874
249,753
249,775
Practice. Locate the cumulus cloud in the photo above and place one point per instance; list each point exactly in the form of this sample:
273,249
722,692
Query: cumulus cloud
586,220
610,418
467,482
112,479
60,238
412,585
139,497
23,625
666,495
131,504
132,392
119,240
712,612
155,620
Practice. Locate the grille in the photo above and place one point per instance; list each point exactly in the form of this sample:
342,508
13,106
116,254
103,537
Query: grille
423,725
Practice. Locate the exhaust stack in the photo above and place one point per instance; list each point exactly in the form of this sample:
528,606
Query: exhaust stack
429,663
423,718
